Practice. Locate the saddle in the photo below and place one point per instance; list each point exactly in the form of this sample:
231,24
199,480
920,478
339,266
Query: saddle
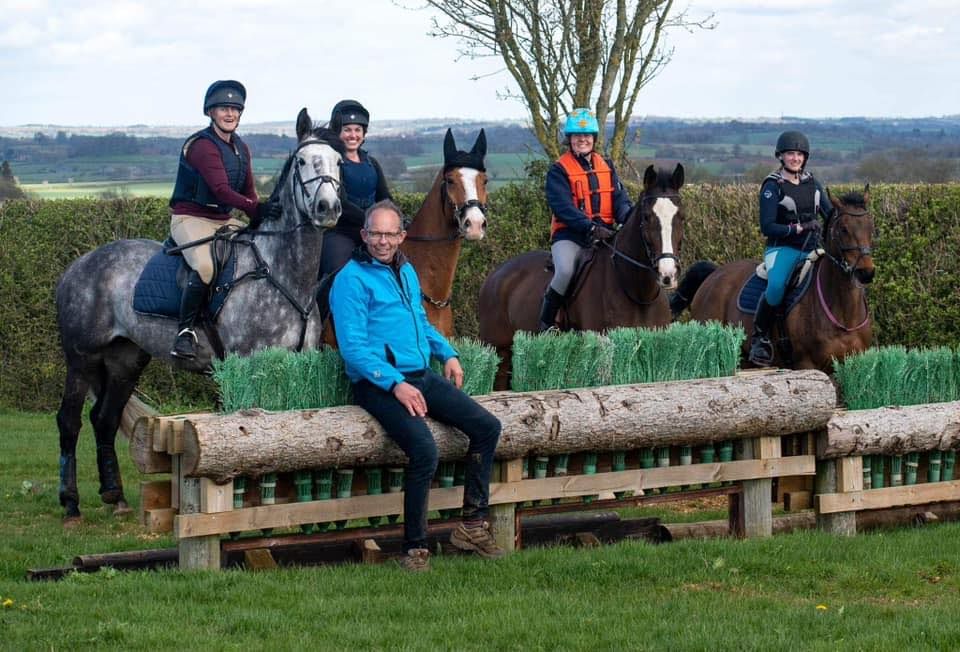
158,290
797,286
585,260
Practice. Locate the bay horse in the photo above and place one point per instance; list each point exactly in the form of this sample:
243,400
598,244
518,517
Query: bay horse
620,285
454,210
831,320
107,344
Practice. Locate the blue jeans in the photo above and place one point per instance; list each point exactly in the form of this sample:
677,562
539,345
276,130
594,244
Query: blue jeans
449,405
780,262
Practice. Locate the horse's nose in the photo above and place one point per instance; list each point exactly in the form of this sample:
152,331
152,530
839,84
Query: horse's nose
667,276
865,274
474,228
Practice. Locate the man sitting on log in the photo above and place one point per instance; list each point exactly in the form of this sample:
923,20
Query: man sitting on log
386,343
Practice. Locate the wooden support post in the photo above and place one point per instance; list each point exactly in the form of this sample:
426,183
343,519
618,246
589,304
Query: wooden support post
503,518
202,552
757,497
839,476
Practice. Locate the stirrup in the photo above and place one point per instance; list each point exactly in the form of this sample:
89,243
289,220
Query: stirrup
761,352
184,347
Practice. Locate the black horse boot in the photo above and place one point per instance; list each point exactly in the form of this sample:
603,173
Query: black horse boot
761,348
552,300
69,496
194,296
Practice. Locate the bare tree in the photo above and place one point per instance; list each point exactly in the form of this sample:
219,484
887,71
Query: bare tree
565,54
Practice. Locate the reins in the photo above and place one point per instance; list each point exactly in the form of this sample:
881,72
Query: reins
847,270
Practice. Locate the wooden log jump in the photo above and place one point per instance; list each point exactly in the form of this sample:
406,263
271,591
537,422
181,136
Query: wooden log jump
624,417
892,431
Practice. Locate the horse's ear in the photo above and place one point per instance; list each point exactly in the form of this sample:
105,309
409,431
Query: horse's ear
677,180
866,194
649,178
480,146
449,147
304,124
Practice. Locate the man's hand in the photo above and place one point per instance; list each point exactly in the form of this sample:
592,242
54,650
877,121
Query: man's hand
453,371
411,398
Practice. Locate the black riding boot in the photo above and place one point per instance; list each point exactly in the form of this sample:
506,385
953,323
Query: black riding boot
552,300
194,296
761,348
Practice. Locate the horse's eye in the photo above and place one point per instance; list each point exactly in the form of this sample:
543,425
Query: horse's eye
300,161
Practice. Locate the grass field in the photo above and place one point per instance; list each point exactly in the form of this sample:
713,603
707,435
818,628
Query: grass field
893,591
98,188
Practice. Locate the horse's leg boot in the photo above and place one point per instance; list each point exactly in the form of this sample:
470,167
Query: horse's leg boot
111,487
552,300
761,348
191,303
69,496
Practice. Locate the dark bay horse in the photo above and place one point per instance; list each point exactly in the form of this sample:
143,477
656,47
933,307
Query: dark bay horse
622,285
454,210
832,320
107,344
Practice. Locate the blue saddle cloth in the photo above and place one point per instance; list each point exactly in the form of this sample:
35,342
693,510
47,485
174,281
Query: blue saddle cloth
157,291
753,289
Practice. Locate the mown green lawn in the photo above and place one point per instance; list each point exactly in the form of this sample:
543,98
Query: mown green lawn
893,591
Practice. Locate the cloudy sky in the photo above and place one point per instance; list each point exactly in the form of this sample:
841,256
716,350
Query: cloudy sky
117,62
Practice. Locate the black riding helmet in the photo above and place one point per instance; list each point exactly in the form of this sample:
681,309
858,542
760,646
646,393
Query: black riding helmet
792,141
225,92
349,112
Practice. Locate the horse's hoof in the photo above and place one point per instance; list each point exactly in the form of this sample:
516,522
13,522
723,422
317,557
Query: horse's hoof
72,521
121,508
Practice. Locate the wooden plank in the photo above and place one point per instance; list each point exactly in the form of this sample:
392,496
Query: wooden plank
916,494
160,520
259,559
850,474
175,480
155,494
175,436
796,500
757,498
215,497
828,481
197,553
503,516
295,514
158,435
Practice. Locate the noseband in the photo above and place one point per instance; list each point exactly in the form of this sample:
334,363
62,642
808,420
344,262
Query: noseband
459,210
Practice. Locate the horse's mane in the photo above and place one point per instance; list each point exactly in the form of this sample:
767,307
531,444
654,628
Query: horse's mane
328,136
854,199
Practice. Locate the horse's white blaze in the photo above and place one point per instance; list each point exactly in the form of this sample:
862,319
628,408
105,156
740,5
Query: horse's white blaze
474,221
665,210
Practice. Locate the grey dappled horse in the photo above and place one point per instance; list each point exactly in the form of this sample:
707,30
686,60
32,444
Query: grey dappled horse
107,344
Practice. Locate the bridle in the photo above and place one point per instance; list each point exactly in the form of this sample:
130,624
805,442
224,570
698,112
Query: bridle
832,238
459,212
848,270
651,267
308,197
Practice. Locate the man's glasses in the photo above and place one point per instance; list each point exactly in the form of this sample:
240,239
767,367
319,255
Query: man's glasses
391,236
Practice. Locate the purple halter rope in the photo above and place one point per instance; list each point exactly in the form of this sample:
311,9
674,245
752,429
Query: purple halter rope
829,313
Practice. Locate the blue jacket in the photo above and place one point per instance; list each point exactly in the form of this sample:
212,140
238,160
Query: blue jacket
561,204
382,328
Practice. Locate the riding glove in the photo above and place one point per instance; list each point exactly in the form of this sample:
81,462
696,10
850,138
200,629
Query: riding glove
268,211
812,225
600,232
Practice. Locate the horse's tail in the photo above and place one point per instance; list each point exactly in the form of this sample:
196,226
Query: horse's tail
689,284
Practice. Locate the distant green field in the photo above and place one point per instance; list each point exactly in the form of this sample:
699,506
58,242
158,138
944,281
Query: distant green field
98,188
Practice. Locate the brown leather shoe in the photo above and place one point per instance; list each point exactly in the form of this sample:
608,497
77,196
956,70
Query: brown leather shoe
417,560
478,540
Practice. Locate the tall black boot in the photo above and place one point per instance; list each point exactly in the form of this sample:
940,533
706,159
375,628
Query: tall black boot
761,348
194,296
552,300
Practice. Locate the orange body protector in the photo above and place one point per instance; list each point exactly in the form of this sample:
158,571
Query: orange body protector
580,188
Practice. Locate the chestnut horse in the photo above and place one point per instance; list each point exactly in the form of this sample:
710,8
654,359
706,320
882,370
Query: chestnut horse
454,210
831,320
621,285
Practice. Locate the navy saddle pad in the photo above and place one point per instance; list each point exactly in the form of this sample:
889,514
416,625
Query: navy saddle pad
158,293
755,286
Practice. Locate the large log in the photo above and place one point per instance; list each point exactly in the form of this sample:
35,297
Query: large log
623,417
892,431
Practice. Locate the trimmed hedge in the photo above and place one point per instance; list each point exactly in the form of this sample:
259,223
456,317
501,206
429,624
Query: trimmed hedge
915,297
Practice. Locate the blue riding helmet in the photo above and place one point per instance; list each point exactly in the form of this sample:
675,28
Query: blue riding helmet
581,121
225,92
